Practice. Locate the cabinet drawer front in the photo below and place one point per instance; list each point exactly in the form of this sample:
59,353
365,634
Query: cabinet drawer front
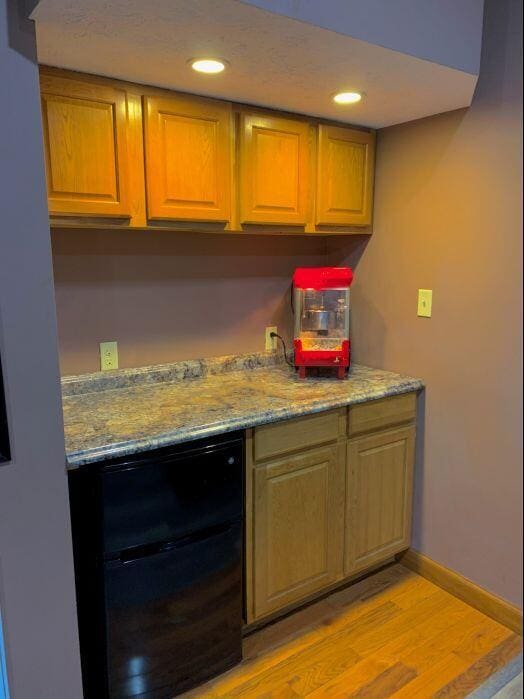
299,433
187,142
298,524
84,128
376,414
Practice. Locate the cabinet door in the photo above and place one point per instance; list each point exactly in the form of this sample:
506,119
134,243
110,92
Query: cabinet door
188,172
85,146
298,527
378,497
346,162
274,170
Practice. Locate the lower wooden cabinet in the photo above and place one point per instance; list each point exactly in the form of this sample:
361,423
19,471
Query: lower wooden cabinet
379,494
298,525
323,505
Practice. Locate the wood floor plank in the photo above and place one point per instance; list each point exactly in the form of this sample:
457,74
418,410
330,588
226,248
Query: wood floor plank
436,639
480,639
371,640
450,639
431,639
386,684
263,662
314,666
284,692
348,643
420,589
351,680
480,670
269,646
430,681
311,669
332,622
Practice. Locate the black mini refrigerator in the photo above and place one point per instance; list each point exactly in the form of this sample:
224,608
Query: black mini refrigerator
158,565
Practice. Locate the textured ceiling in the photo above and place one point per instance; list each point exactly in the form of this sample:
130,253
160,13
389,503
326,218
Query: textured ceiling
275,61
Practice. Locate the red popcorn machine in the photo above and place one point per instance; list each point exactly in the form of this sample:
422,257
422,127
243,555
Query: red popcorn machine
321,307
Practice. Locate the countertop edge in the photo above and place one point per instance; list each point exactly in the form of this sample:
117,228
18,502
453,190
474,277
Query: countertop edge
77,459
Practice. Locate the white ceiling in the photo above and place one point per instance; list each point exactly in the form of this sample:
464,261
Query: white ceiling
442,31
274,61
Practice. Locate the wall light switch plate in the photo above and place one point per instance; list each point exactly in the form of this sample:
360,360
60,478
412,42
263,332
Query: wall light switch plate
108,356
271,342
425,300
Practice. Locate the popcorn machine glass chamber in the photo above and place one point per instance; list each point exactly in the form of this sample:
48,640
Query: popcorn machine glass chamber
321,307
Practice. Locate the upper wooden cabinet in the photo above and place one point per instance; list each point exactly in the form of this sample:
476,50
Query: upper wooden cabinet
85,146
274,170
188,166
145,157
346,161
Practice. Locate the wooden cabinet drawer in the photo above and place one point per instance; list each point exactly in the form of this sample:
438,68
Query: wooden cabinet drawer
299,433
376,414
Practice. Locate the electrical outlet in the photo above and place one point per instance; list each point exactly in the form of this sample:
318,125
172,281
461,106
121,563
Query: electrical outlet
108,356
271,342
425,300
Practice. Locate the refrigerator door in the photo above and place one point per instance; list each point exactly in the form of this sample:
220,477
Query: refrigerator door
163,498
173,618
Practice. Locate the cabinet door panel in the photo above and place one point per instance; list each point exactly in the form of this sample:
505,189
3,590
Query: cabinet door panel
188,143
85,146
274,157
379,494
298,526
345,176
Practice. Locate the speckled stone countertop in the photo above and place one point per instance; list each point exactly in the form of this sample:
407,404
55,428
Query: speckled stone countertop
126,412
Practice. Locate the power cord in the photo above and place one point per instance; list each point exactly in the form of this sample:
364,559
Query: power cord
284,347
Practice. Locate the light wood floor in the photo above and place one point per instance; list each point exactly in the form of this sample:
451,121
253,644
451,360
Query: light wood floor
393,634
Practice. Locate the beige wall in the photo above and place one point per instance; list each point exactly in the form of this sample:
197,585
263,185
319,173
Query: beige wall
37,591
166,296
447,218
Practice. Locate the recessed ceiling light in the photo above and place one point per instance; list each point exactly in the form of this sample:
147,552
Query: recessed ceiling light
207,65
347,97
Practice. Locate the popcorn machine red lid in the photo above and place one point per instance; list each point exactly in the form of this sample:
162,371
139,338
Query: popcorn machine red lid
322,277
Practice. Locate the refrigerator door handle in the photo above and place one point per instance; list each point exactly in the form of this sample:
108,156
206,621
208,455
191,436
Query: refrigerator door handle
138,552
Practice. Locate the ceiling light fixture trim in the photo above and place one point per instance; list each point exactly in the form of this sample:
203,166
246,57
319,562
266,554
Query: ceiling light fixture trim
208,66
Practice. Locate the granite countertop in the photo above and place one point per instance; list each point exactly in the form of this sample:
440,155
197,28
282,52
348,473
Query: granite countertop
126,412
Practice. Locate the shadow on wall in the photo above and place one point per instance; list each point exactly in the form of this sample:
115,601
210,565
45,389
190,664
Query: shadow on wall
139,254
20,29
348,252
166,296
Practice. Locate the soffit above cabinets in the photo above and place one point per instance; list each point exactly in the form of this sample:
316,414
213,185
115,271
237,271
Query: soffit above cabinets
274,60
446,32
